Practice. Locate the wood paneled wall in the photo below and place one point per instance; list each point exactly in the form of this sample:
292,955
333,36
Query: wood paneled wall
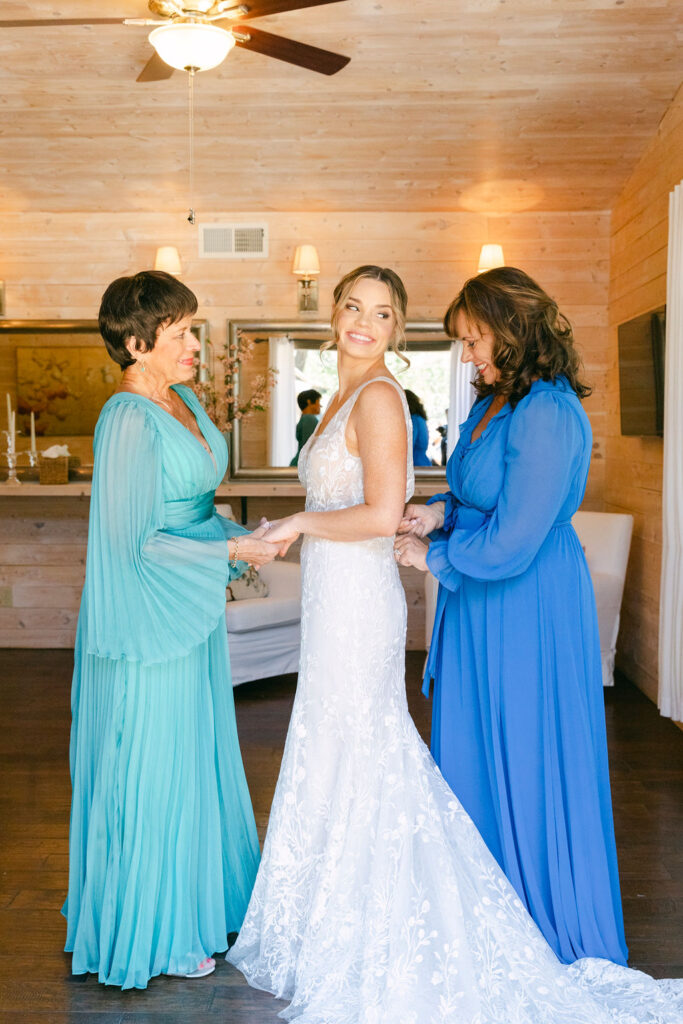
633,480
57,266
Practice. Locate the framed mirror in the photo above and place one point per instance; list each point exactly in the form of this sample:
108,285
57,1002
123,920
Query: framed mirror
60,371
264,444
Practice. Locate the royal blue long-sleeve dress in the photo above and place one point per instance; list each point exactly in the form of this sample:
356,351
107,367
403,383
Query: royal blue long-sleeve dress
163,847
518,725
420,440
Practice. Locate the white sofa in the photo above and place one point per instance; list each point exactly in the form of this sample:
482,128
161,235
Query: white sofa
606,539
264,633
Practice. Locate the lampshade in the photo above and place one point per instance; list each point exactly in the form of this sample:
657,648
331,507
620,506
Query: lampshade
306,261
192,45
491,256
168,259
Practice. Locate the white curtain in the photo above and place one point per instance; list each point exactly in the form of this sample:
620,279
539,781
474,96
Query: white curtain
282,411
671,593
461,395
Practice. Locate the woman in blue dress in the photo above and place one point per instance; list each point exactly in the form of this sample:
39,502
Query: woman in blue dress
518,725
418,418
163,845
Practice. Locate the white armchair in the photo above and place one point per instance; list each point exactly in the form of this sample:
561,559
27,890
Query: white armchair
264,633
606,539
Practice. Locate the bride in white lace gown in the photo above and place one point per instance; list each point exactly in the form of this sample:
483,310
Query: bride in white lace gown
377,902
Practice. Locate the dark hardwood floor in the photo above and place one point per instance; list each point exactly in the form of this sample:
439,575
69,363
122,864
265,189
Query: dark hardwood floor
35,983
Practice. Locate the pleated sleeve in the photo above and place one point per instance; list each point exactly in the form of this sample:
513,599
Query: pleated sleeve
150,595
545,443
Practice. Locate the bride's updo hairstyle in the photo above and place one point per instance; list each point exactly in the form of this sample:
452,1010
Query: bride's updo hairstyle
532,340
398,300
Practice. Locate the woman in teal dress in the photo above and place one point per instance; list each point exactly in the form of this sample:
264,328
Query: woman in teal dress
518,725
163,845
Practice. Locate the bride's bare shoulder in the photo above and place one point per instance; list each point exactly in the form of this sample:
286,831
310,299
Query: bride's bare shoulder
380,403
384,384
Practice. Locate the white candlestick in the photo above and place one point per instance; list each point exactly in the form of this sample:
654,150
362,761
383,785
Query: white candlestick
33,432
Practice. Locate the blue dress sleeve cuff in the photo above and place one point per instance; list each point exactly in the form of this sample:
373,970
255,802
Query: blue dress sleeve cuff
450,514
440,566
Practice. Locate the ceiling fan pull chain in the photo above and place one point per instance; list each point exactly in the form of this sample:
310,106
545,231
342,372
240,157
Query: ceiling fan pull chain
190,75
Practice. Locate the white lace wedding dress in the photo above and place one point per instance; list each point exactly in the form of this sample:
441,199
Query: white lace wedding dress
377,901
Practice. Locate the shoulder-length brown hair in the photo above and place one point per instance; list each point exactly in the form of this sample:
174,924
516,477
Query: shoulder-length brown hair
532,340
398,299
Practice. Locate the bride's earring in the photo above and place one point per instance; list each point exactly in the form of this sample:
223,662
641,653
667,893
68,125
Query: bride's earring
143,368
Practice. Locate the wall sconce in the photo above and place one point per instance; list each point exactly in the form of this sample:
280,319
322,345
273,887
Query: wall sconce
168,258
491,256
307,265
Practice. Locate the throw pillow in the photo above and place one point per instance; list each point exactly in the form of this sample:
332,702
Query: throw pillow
247,586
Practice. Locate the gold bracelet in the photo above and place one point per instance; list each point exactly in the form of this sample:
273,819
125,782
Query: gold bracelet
235,558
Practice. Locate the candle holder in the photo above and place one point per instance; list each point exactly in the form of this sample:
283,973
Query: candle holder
11,458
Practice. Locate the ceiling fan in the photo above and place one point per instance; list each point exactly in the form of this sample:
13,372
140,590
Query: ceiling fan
211,28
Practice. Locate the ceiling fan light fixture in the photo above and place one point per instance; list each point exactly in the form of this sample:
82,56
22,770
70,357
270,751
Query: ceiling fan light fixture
193,45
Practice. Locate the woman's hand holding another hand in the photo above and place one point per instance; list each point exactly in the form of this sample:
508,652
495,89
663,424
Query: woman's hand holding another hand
420,520
282,533
408,550
253,549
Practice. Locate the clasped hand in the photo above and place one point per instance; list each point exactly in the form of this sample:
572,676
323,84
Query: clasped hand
422,519
417,522
253,549
267,541
282,533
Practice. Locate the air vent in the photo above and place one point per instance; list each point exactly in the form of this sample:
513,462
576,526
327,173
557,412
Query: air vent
233,241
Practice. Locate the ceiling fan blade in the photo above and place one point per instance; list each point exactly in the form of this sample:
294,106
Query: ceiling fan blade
301,54
155,70
32,22
259,8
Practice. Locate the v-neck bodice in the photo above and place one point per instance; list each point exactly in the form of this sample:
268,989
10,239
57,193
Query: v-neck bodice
332,476
188,468
477,468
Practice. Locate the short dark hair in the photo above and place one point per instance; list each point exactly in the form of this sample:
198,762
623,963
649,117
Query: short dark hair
531,338
305,398
137,307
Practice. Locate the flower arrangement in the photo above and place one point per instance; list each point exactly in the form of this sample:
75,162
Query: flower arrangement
217,391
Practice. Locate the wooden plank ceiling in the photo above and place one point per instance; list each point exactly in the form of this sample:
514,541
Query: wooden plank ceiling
489,105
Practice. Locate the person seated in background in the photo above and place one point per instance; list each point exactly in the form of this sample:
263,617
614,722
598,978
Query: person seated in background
420,430
309,403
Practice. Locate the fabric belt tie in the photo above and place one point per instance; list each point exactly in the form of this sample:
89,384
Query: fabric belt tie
465,519
188,511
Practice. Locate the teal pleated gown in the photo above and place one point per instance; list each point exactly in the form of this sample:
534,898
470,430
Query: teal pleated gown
163,846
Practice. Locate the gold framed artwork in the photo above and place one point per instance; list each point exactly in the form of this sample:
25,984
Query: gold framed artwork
60,371
65,388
